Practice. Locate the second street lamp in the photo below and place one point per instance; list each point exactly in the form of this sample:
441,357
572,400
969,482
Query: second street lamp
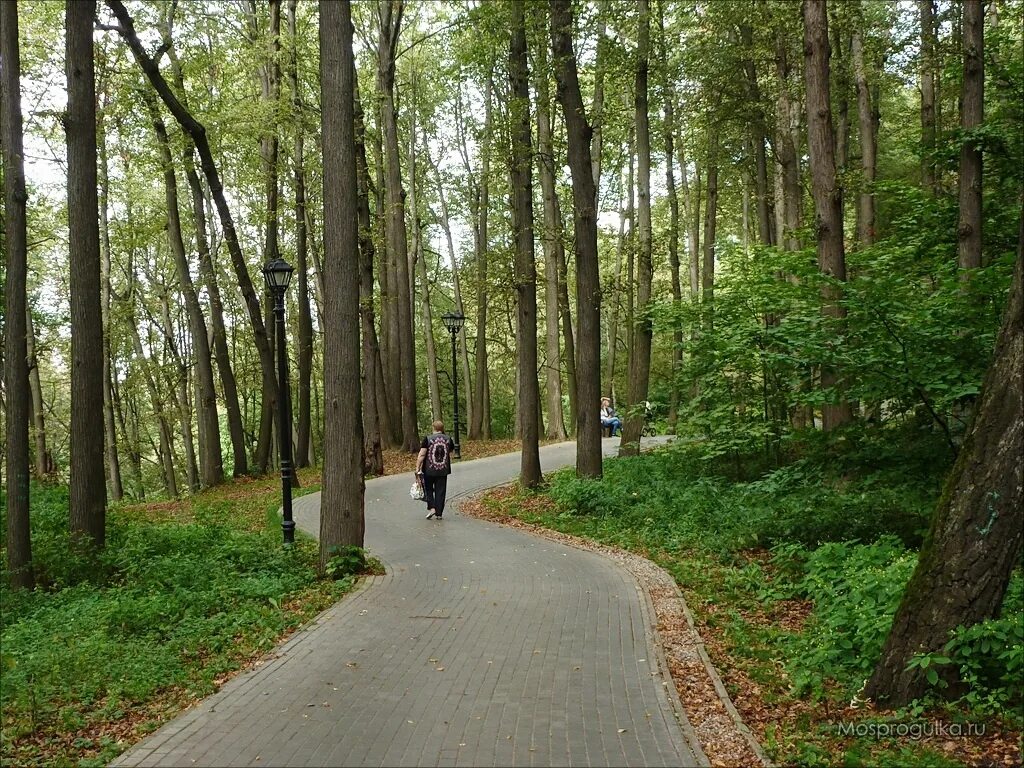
278,273
453,322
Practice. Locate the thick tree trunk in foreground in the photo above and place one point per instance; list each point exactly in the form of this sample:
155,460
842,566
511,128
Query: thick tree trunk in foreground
18,541
588,287
828,195
976,533
88,489
525,263
341,513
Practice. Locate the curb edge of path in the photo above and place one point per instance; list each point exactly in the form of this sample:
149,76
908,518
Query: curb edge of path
604,550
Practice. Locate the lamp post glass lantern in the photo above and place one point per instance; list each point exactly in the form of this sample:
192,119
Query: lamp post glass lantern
453,322
278,273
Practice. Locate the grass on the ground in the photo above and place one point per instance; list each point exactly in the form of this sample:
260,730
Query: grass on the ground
793,577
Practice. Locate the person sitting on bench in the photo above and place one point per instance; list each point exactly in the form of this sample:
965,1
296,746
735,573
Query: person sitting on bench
609,420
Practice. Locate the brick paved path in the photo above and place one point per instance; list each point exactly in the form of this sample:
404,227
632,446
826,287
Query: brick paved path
482,646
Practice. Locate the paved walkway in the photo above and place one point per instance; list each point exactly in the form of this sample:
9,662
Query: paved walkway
482,646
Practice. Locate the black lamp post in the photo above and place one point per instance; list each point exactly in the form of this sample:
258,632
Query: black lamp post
277,274
453,322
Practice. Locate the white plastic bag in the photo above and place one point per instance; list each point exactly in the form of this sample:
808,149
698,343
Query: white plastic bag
416,491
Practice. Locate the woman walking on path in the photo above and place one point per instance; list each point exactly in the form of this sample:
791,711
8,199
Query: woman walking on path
433,465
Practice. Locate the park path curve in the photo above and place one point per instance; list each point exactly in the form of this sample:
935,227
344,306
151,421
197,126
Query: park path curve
481,646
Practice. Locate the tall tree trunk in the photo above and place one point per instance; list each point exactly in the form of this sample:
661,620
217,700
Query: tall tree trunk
929,175
758,136
866,199
670,181
467,382
971,115
525,264
620,252
433,385
229,388
88,489
597,106
166,448
976,534
303,443
373,408
565,313
211,468
588,286
695,219
786,148
551,235
342,520
390,361
197,132
640,359
707,272
828,195
180,385
390,24
43,461
130,437
270,79
115,487
481,427
18,542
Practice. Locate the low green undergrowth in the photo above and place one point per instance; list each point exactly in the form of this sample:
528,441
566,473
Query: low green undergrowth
183,595
794,576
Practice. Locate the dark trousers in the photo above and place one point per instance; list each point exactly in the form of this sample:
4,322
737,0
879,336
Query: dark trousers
434,490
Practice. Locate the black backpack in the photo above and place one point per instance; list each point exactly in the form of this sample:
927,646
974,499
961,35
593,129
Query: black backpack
437,461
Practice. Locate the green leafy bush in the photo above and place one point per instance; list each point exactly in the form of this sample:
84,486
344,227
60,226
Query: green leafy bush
855,589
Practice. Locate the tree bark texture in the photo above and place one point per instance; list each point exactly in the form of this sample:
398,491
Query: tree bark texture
868,142
18,541
828,195
390,21
115,486
758,137
929,44
588,287
525,263
975,539
640,358
44,461
303,441
551,235
971,114
785,146
480,427
341,511
373,456
88,489
673,225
